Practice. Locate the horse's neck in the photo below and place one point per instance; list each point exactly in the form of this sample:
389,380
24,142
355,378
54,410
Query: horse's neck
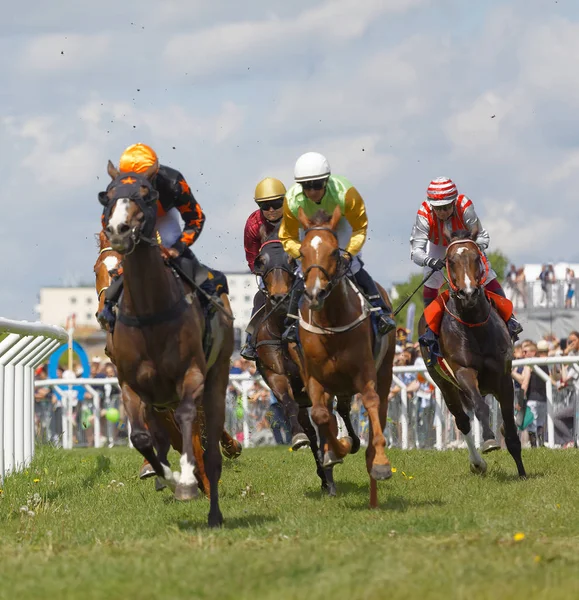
340,308
149,286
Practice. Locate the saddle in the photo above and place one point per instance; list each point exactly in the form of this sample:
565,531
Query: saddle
434,312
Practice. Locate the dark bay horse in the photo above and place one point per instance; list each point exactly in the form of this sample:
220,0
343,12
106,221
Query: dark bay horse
108,265
337,344
478,351
274,363
158,346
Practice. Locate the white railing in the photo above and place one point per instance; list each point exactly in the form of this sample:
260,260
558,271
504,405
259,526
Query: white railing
23,346
245,425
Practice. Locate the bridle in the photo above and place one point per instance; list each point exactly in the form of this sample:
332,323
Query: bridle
340,272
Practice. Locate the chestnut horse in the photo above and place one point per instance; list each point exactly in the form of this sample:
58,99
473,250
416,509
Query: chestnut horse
478,351
158,346
337,344
281,373
108,265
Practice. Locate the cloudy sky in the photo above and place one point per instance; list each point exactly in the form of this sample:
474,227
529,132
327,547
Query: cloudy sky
394,92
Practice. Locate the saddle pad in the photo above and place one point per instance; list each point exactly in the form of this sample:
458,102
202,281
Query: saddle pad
435,310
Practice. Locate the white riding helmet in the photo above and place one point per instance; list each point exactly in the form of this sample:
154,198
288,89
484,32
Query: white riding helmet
311,166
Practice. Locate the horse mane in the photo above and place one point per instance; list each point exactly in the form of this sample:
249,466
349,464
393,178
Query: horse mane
101,240
320,218
461,234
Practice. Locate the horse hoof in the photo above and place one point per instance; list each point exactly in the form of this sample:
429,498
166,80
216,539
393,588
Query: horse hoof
330,459
490,446
300,440
332,492
187,492
478,469
355,445
159,485
232,450
146,471
215,520
346,441
381,472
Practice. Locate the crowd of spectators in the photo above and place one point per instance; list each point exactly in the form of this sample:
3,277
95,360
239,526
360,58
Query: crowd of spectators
555,292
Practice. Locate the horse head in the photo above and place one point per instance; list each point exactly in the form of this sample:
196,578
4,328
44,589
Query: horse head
466,266
130,208
322,263
275,266
107,265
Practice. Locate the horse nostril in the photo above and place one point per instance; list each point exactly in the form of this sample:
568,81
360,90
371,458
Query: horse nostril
277,298
123,228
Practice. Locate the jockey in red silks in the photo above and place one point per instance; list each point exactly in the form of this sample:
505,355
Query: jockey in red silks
443,212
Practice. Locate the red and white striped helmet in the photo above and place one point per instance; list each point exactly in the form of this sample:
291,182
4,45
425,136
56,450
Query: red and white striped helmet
441,191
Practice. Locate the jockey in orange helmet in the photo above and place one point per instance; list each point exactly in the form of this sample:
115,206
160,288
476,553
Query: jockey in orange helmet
176,203
443,212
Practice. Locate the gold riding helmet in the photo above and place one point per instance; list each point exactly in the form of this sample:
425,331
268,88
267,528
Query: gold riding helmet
269,189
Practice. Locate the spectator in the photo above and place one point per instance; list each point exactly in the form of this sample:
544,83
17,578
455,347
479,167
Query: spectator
520,288
544,278
511,282
569,287
43,398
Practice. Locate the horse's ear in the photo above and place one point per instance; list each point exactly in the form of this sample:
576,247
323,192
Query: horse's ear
303,219
336,216
112,170
152,170
103,198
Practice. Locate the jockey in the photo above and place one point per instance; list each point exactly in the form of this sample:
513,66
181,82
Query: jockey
269,195
316,188
443,212
175,202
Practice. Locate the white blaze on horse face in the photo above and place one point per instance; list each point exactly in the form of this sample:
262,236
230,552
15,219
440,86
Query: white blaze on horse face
111,263
120,214
316,241
317,286
460,250
187,475
467,282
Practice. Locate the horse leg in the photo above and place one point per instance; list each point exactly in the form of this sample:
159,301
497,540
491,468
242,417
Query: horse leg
281,389
343,409
190,391
141,437
322,417
377,462
325,475
162,441
482,412
214,405
506,399
197,441
454,400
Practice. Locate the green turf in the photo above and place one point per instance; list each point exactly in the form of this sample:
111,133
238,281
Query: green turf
91,529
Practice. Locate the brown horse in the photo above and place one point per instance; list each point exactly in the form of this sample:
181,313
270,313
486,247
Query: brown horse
281,373
107,266
337,343
477,351
158,345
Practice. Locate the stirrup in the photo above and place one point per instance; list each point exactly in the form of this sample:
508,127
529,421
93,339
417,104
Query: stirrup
248,352
290,334
386,324
106,317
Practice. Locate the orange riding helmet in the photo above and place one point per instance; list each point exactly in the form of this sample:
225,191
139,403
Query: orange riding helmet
137,159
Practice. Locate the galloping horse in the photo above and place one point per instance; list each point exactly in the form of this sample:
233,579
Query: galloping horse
476,348
281,373
108,265
158,345
337,342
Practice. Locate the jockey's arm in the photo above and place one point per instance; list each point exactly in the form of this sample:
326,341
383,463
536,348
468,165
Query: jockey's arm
419,241
355,213
191,213
289,232
251,243
473,223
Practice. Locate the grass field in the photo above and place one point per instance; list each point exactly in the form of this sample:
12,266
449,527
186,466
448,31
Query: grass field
79,524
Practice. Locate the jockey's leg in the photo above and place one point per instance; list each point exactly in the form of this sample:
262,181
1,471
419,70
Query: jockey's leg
248,351
368,286
107,317
429,339
513,325
291,321
188,263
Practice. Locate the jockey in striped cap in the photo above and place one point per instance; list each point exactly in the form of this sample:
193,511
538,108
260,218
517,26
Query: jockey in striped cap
443,212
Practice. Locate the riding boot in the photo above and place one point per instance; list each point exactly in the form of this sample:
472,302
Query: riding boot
106,317
248,350
187,263
429,340
386,323
291,321
514,328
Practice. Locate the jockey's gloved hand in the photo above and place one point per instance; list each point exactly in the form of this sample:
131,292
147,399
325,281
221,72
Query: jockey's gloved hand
434,263
180,247
346,257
